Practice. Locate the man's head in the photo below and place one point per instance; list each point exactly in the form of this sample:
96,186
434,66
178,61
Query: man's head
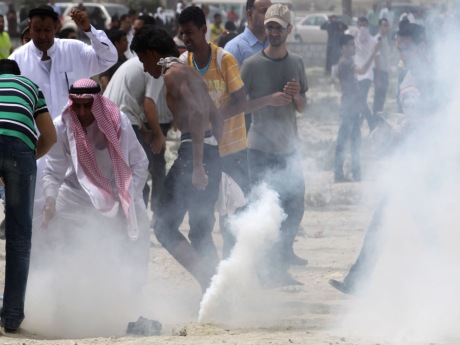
192,28
347,45
43,25
151,44
82,94
333,18
255,12
411,43
9,67
119,40
69,33
142,21
277,24
217,19
363,22
24,31
384,26
125,23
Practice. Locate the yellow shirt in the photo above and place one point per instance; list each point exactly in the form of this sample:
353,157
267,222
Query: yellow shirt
223,77
215,32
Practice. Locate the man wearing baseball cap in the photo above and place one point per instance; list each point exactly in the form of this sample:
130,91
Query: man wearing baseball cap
276,83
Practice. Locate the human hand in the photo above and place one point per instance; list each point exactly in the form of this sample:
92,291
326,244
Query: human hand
157,143
292,88
81,19
48,211
278,99
199,178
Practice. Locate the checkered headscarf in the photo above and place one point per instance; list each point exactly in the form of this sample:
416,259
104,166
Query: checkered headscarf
107,116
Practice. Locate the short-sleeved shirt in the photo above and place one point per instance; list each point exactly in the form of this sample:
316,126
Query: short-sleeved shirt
223,77
215,31
21,101
273,129
349,84
128,88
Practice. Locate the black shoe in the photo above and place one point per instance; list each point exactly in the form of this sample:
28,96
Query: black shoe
295,260
342,287
10,330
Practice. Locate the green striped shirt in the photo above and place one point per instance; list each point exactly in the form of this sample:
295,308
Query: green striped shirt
21,101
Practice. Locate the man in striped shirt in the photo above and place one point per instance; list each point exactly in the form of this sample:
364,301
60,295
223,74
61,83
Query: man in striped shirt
22,106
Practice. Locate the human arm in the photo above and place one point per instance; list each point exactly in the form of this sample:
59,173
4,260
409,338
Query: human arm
102,54
292,88
235,105
47,137
151,114
57,163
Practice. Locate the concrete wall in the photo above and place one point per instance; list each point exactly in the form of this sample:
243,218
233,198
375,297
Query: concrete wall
312,54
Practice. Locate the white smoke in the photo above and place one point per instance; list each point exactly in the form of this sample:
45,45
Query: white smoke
234,289
412,293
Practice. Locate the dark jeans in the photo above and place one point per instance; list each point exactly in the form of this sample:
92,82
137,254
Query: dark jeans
363,91
370,252
149,153
282,173
234,165
18,169
157,169
349,130
380,92
179,196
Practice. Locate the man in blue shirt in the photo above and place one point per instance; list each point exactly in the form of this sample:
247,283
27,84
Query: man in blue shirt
253,39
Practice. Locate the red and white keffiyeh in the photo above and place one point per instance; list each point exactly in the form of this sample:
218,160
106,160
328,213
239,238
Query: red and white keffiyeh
107,116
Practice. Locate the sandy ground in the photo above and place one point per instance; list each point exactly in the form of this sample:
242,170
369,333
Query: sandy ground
333,226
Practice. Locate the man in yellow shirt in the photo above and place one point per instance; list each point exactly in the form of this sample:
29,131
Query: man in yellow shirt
216,28
5,43
220,71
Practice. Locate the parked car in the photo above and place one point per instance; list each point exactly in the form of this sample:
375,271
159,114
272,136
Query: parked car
308,29
108,11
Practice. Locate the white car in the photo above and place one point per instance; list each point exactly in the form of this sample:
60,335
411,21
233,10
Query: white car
108,11
308,28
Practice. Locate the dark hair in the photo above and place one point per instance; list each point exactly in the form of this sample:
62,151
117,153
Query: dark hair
363,20
154,38
250,4
230,26
192,14
148,20
217,15
8,66
381,20
64,33
43,11
123,17
345,39
115,35
414,31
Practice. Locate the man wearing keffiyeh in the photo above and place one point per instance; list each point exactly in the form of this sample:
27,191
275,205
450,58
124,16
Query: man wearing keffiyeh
95,172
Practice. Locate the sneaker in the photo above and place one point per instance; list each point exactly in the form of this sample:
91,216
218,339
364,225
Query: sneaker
342,287
280,281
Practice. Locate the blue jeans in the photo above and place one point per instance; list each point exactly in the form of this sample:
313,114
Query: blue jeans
18,169
179,196
349,130
284,174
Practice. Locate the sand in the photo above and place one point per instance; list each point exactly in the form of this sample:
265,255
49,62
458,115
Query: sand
334,223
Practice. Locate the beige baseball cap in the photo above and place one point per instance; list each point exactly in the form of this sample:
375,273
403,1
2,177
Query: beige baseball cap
278,13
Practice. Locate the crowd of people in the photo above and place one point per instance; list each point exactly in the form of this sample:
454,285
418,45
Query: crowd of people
236,109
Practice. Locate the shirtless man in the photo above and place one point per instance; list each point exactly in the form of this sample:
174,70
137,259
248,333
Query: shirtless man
192,184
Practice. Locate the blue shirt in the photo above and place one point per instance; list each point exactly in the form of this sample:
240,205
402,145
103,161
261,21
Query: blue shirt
244,46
